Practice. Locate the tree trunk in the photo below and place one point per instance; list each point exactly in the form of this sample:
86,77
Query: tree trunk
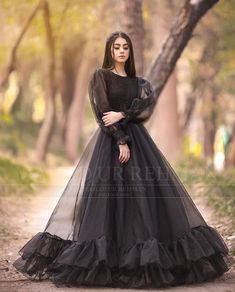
164,123
203,77
25,98
180,33
165,128
230,158
131,22
70,62
76,111
209,117
46,130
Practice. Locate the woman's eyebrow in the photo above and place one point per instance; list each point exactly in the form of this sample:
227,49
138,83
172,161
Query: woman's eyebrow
120,44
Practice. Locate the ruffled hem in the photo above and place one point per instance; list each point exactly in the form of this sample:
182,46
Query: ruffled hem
198,256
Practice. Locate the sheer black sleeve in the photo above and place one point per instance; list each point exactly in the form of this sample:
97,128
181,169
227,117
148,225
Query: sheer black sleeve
97,90
143,105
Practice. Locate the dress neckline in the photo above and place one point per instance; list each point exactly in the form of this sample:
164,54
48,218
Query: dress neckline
118,74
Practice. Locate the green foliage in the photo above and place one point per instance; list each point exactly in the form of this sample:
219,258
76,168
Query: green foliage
220,192
218,188
68,19
16,179
10,140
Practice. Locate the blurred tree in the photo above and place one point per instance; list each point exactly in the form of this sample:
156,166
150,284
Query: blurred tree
71,58
170,143
212,75
46,130
230,159
77,108
179,35
11,65
86,61
131,22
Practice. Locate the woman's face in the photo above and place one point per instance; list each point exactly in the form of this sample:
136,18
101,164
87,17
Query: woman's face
121,50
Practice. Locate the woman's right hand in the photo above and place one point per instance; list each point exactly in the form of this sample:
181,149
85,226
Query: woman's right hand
124,154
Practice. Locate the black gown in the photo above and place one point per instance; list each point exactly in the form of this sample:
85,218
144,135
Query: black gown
130,225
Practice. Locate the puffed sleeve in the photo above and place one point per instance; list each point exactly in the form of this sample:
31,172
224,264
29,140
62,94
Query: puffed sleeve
97,90
143,105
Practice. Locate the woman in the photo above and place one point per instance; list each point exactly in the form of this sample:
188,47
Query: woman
124,218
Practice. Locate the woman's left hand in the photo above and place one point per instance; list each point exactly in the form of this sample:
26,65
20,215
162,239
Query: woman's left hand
111,117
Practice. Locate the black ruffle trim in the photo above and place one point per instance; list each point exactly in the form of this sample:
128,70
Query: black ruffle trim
198,256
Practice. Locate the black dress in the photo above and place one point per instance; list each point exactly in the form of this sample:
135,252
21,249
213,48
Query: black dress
124,225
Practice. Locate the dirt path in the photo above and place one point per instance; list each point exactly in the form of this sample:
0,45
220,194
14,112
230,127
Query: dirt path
22,218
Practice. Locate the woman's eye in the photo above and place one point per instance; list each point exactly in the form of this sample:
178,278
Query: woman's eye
119,48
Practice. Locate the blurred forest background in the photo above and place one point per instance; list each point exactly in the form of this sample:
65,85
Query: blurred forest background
48,50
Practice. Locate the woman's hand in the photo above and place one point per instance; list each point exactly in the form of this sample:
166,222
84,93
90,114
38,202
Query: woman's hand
124,154
112,117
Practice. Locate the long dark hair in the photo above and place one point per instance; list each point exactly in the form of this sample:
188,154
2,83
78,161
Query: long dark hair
108,62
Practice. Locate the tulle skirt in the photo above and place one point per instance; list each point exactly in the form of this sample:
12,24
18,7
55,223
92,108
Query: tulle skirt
130,225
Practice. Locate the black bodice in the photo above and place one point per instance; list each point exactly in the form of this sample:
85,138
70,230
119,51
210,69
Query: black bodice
121,90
